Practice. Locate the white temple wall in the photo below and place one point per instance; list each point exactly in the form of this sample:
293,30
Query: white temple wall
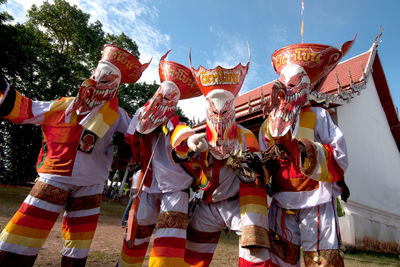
372,218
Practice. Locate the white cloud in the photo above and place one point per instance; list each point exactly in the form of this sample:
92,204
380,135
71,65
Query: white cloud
138,21
194,108
232,50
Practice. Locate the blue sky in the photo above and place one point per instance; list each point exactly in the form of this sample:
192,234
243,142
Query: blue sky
218,31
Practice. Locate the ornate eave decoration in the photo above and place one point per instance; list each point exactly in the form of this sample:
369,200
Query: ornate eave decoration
345,96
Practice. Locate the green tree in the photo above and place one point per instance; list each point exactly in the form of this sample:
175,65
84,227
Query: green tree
124,41
46,58
74,45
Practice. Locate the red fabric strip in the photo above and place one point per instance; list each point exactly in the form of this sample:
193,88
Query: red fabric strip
38,212
169,242
195,258
249,190
81,220
136,251
202,237
32,222
333,167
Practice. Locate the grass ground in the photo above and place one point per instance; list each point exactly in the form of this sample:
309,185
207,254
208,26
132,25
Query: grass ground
108,238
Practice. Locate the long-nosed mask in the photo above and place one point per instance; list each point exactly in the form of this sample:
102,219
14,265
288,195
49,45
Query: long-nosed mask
116,66
221,125
291,93
159,108
101,86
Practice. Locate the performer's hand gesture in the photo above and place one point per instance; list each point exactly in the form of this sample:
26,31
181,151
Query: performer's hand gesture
197,142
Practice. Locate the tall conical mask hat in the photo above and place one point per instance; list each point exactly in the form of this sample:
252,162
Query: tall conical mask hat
130,67
180,75
220,78
316,59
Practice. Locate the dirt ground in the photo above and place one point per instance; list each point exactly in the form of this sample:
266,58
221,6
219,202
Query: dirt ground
104,251
109,234
107,244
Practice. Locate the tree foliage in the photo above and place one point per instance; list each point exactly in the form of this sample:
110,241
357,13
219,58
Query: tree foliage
47,58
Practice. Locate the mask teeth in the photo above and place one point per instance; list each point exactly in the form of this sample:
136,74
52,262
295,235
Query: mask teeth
291,100
93,103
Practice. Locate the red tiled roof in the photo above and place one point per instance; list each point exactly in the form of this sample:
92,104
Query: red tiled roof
328,85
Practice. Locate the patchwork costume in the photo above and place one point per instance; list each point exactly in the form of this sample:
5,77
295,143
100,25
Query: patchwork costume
226,202
312,159
160,207
73,163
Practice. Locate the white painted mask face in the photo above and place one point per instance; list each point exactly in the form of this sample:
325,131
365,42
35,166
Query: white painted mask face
159,108
221,125
101,86
290,98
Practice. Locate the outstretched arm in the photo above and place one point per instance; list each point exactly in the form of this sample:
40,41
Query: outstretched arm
18,108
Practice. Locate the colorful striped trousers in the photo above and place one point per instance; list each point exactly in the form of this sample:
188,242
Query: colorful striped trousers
204,231
24,235
315,230
166,213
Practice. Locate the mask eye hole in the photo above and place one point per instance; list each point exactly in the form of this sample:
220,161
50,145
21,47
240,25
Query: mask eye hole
224,112
216,113
290,85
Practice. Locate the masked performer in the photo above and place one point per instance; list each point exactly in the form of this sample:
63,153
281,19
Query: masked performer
309,159
73,163
161,207
226,202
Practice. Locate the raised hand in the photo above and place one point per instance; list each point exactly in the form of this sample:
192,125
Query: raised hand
197,142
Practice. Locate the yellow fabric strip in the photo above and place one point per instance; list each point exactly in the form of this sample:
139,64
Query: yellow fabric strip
306,124
61,104
78,236
101,122
322,166
251,140
264,127
164,261
96,126
109,114
254,208
307,133
78,244
21,240
26,231
125,260
245,200
180,133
